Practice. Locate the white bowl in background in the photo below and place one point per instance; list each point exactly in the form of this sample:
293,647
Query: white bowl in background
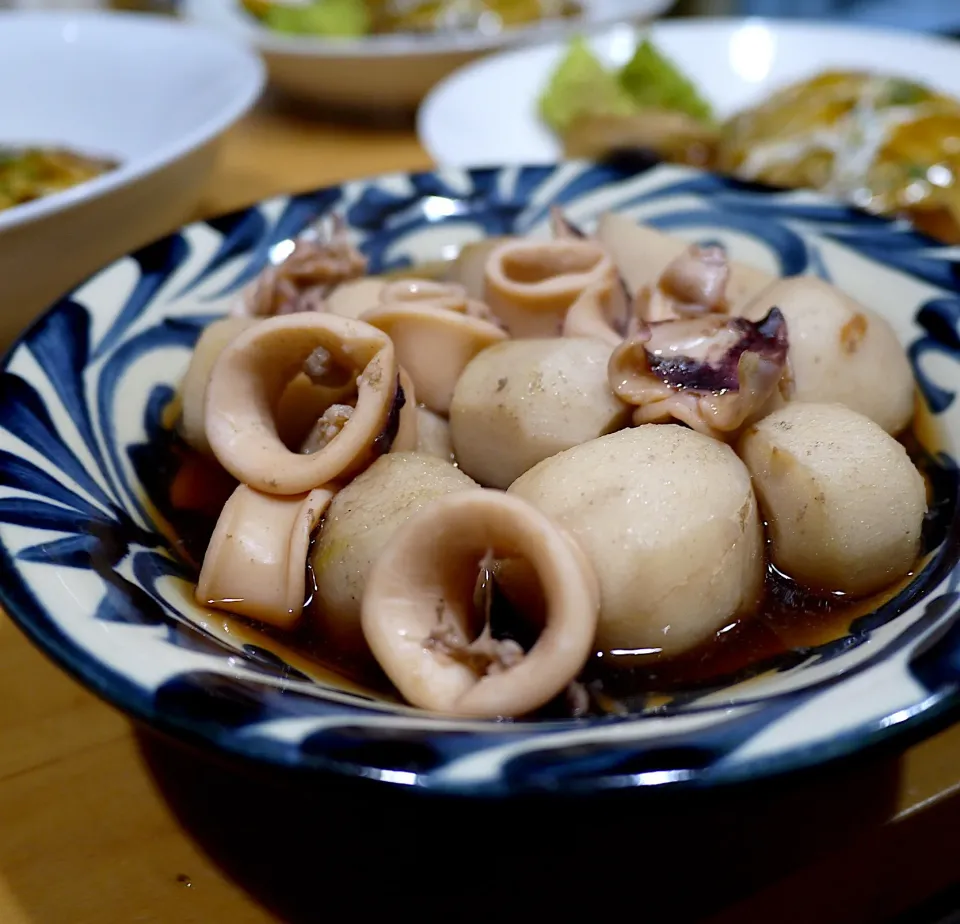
486,113
391,71
150,92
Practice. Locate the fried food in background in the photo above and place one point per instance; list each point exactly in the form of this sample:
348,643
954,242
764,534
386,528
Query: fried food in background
882,142
886,144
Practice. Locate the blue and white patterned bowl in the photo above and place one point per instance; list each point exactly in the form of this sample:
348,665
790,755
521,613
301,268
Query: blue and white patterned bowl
87,570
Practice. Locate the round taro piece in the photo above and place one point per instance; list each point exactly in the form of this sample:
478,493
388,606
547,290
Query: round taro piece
844,503
668,518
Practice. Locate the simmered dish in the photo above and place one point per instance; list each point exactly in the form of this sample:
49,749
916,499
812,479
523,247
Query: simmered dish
358,18
883,142
551,472
31,173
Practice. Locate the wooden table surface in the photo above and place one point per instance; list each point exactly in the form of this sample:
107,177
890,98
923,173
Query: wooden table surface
101,823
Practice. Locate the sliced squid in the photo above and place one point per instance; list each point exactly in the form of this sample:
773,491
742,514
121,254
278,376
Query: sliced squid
470,267
436,330
327,412
600,312
255,564
530,284
193,386
714,373
421,622
352,298
841,351
642,253
694,283
310,393
359,524
303,280
407,438
449,295
252,374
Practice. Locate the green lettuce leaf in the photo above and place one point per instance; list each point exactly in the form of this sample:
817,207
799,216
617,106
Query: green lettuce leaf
653,81
333,18
581,84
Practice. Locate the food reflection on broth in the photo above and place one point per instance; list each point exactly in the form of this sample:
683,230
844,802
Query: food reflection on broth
550,477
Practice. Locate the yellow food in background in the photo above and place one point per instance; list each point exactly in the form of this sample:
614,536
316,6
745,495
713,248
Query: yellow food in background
357,18
32,173
882,142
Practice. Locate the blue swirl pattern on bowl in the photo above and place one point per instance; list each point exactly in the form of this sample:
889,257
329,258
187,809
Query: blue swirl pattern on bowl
89,570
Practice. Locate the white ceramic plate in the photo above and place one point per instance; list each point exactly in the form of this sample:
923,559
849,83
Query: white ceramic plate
152,93
390,71
486,113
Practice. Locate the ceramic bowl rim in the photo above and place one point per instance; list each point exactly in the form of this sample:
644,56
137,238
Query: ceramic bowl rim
109,687
244,97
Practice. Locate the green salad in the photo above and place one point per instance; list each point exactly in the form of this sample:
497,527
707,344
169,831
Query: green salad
339,19
582,85
333,18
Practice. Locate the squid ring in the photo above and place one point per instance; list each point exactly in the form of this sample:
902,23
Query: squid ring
529,285
417,613
248,381
255,564
434,344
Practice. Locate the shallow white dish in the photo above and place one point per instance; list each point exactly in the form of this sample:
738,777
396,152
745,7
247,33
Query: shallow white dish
486,112
154,94
390,71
